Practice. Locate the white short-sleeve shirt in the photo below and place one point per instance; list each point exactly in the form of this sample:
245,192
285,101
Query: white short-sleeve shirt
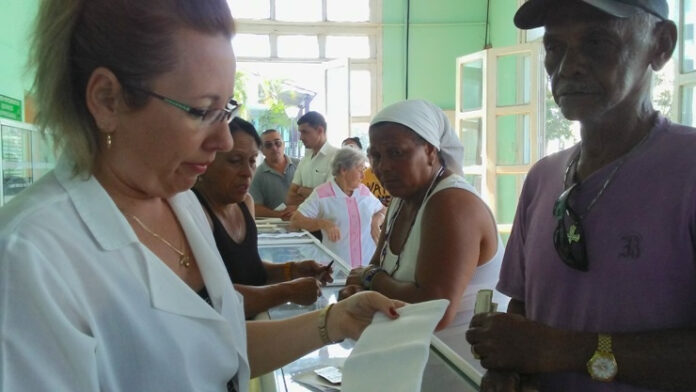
353,216
314,171
84,306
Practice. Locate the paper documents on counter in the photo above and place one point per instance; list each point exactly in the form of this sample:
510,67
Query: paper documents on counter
311,379
391,354
275,234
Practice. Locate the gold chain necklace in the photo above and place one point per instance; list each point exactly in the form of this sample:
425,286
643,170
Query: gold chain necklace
184,260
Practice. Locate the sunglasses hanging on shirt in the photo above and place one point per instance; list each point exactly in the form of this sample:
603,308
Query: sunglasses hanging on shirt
569,236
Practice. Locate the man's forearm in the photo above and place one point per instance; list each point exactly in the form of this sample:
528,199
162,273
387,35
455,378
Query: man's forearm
264,212
297,196
304,192
654,359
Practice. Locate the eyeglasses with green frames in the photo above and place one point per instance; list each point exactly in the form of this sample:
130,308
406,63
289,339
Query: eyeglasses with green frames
207,116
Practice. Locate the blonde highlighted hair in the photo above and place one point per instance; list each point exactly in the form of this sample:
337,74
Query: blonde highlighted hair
132,38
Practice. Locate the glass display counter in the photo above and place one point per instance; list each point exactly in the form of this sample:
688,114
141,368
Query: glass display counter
446,371
24,157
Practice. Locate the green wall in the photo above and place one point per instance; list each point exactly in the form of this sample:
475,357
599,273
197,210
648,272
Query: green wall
16,17
503,32
440,31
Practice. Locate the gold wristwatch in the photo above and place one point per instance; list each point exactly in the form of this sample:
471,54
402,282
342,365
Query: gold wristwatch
602,366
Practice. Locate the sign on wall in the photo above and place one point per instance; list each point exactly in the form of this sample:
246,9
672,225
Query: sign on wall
10,108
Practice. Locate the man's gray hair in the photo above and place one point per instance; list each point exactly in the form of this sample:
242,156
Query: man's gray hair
346,159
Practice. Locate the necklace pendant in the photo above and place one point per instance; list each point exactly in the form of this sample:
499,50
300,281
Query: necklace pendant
573,235
185,261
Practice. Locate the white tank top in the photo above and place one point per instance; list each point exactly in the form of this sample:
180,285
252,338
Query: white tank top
486,275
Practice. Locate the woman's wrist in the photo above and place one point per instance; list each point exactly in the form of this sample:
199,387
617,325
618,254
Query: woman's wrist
325,225
368,275
327,328
288,270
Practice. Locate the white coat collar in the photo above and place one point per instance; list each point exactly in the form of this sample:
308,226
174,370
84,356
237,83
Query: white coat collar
112,231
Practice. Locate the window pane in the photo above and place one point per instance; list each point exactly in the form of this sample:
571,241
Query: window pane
348,46
298,46
688,105
513,80
360,93
470,136
663,89
299,10
508,191
250,9
688,36
559,133
361,130
472,85
251,45
348,11
513,139
534,34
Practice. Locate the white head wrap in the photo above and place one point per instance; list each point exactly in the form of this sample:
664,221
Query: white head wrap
430,123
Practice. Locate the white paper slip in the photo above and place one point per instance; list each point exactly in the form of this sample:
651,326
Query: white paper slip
280,207
314,382
331,374
391,354
264,220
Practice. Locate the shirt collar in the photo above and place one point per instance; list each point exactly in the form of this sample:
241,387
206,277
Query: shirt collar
325,148
265,167
339,192
95,207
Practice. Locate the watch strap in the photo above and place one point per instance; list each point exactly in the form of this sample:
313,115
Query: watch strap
368,276
602,366
604,343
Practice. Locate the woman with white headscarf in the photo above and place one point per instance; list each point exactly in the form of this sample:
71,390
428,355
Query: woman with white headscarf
439,239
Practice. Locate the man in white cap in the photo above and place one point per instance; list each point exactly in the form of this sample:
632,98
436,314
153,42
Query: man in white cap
601,262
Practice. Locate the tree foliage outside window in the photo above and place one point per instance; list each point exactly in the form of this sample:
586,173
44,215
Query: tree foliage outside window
240,94
275,116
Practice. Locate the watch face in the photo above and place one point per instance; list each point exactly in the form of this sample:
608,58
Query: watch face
603,368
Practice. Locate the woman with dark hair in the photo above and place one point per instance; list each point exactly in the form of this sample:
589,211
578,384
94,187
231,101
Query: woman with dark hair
109,275
224,193
352,142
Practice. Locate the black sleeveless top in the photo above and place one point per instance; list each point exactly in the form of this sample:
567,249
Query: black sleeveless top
242,260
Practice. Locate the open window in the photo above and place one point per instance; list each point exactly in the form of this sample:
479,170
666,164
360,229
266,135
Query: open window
498,112
311,39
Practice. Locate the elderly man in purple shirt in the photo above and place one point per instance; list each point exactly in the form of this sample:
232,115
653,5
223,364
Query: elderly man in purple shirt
601,263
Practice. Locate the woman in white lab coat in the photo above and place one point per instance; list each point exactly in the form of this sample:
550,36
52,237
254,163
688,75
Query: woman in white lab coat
109,275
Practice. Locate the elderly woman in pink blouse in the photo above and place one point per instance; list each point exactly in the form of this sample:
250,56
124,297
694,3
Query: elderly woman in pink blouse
346,212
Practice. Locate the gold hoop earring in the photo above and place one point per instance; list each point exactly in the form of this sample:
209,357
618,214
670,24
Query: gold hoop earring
108,141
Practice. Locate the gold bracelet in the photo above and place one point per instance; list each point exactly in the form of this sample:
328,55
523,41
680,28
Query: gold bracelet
287,270
323,321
